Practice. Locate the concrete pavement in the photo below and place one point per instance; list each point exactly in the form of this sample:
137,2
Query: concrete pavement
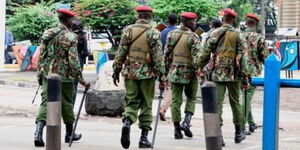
17,116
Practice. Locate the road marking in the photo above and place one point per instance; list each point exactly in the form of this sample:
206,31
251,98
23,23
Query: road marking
253,147
290,139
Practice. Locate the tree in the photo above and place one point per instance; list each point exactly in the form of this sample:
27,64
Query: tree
242,7
205,9
29,21
107,16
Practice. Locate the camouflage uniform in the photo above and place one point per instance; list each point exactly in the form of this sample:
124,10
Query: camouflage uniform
257,52
229,65
59,55
182,76
140,76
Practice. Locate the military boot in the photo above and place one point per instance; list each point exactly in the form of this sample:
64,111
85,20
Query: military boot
177,131
185,126
125,137
247,132
252,127
144,142
38,135
69,129
239,134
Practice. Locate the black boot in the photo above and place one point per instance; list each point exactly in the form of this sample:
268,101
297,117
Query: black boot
185,126
125,137
177,131
247,132
239,134
69,129
222,139
253,127
38,135
144,142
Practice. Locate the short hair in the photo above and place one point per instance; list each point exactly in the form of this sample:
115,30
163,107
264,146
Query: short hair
216,23
145,15
172,19
228,17
63,18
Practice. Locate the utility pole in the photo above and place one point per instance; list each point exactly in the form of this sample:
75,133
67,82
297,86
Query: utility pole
263,15
2,32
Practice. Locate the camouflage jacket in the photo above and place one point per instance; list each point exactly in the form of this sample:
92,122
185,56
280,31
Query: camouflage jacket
181,74
257,51
135,70
59,55
220,71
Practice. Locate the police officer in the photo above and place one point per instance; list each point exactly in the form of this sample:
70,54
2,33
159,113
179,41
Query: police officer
82,50
59,55
257,52
181,47
229,67
140,51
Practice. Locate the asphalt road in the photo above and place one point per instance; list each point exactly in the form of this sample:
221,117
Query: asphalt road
17,116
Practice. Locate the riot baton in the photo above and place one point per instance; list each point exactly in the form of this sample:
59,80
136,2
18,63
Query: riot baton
157,116
77,117
246,111
36,93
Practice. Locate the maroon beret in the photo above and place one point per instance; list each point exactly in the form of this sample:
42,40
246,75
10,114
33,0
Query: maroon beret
189,15
229,12
253,16
143,8
67,12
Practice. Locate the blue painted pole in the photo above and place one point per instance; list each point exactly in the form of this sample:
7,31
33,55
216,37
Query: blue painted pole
257,81
271,103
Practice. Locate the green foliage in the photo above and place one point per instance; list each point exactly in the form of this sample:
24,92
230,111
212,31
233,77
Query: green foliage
205,9
107,15
242,7
30,21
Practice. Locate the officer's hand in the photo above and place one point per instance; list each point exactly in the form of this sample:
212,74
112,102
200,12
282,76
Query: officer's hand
162,85
116,78
40,80
201,74
87,85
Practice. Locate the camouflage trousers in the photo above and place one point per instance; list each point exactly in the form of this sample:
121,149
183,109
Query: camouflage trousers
248,118
190,91
233,91
139,96
66,103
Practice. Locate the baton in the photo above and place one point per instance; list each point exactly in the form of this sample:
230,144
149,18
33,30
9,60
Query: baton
245,99
157,116
36,93
77,117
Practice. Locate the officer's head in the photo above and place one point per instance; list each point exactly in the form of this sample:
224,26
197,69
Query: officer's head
144,12
252,21
172,19
65,17
215,23
229,16
188,19
77,26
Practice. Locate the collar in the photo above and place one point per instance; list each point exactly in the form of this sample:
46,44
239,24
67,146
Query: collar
142,21
184,28
226,25
250,30
63,27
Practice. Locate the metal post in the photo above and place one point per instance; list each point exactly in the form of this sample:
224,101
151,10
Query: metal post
211,117
53,140
271,103
2,32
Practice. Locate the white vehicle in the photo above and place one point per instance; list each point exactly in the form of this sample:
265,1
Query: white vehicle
98,42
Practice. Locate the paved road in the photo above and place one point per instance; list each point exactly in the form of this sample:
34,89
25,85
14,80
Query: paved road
17,127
